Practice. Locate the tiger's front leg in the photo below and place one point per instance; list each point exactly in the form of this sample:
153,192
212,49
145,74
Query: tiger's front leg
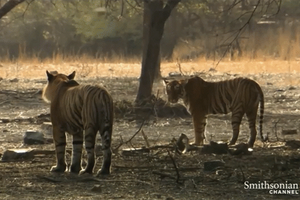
77,152
59,138
199,122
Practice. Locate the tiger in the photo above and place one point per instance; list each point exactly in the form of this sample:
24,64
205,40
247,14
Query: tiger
239,96
75,109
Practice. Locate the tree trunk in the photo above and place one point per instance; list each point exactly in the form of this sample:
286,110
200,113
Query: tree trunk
147,20
8,6
155,16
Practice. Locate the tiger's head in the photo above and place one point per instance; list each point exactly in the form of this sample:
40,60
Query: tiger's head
55,80
175,90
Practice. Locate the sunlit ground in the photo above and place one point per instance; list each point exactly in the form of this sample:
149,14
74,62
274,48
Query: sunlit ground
93,68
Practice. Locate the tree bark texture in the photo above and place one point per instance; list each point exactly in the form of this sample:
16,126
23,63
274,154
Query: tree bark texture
8,6
147,20
155,16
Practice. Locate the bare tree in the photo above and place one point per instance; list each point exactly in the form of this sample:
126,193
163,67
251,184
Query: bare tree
8,6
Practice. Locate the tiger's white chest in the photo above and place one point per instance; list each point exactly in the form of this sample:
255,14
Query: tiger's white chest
187,105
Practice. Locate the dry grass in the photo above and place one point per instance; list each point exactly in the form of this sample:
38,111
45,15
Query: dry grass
85,66
90,67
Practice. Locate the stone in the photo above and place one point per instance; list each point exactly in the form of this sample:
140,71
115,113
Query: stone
215,148
17,154
33,137
15,80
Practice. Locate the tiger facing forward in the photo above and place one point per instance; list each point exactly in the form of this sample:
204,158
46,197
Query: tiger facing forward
76,108
238,96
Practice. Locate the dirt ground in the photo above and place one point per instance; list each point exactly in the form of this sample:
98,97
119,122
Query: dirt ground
151,175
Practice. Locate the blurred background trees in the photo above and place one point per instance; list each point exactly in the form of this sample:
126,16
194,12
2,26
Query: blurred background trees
203,28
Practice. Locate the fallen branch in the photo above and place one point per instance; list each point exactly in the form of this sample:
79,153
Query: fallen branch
163,175
146,139
122,143
175,166
140,128
88,179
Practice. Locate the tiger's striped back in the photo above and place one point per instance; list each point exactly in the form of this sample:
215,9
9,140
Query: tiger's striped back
86,105
76,108
239,96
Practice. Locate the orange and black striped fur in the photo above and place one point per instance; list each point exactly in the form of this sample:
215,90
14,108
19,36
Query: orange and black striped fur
76,109
239,96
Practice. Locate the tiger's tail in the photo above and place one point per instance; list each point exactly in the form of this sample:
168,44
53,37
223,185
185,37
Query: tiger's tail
261,113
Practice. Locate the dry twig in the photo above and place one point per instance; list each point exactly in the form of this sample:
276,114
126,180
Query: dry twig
175,166
122,143
146,139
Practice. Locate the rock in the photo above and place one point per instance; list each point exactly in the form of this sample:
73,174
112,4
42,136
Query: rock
15,80
216,148
33,137
213,165
16,154
292,88
241,149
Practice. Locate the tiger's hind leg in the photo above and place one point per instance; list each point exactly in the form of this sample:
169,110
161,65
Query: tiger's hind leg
59,138
199,128
90,136
251,115
106,144
77,152
236,119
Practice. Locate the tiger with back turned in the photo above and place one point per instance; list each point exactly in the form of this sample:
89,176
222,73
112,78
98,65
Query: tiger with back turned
76,108
239,96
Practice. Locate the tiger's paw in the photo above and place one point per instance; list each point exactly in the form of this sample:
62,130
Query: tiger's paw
85,172
75,169
103,172
231,142
58,169
250,144
197,143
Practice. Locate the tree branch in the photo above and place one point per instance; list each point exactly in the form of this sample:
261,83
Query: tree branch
239,31
9,6
170,5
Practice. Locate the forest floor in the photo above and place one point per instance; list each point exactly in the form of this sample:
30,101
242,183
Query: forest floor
159,173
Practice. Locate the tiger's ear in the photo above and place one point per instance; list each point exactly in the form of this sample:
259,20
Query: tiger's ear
72,76
165,81
49,75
